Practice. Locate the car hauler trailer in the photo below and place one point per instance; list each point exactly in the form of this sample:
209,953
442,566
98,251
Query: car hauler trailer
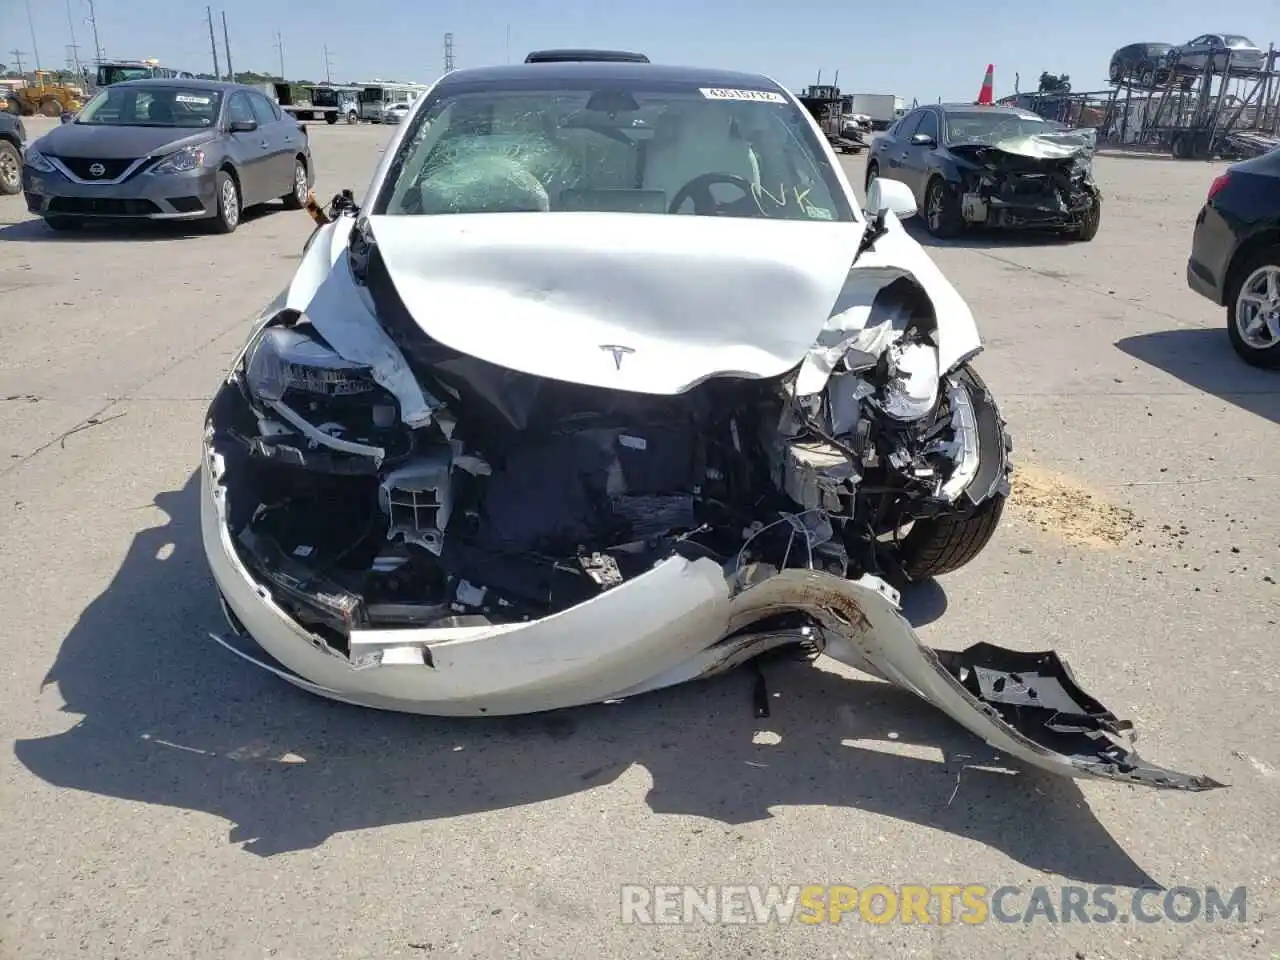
320,101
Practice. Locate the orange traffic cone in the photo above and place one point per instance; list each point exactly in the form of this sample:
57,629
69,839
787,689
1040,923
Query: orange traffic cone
986,93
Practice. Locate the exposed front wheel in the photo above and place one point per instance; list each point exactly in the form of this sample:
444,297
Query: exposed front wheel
1088,228
1253,310
937,545
942,210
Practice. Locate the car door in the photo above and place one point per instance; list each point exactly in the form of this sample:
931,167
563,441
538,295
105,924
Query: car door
249,151
1196,53
893,147
281,138
918,149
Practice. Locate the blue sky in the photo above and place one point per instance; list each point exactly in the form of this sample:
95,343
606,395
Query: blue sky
924,49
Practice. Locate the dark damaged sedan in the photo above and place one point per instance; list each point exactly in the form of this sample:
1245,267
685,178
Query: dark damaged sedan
168,150
992,166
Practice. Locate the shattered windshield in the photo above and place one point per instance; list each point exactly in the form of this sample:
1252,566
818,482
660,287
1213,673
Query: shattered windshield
151,106
630,148
979,126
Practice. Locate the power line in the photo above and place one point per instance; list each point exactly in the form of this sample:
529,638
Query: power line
226,45
279,45
75,47
32,24
93,21
213,44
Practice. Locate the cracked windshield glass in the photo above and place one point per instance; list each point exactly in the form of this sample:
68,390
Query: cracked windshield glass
625,149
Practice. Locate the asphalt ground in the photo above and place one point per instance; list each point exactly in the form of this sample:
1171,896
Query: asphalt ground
162,799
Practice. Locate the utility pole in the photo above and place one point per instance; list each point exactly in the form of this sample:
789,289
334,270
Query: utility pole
213,44
75,47
508,45
93,21
226,45
328,65
17,59
279,45
32,24
448,53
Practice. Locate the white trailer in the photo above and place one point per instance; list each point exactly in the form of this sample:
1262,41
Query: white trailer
880,107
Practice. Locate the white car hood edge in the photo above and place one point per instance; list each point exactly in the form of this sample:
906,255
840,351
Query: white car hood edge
682,299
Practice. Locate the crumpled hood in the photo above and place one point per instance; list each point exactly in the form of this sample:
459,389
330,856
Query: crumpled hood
642,302
1059,145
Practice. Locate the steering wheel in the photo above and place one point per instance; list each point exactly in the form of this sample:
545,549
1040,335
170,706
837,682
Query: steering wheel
699,188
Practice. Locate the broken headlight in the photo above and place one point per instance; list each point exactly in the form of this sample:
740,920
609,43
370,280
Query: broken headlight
910,390
286,359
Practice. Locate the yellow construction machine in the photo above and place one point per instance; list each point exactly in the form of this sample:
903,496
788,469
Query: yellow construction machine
46,97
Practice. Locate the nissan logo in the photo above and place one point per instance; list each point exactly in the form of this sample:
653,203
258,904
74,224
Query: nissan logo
97,169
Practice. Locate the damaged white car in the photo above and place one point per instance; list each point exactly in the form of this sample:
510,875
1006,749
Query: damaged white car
606,385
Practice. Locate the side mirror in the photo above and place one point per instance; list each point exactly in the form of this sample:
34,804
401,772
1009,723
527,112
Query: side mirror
890,196
243,126
923,140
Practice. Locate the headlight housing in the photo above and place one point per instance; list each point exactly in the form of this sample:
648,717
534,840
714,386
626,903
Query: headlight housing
38,161
286,359
911,390
183,161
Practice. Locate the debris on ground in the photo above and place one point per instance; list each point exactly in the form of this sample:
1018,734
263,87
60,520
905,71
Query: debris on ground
1061,506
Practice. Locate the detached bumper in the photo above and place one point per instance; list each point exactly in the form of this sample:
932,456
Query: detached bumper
680,621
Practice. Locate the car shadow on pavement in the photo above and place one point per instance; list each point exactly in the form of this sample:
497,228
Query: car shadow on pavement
34,230
978,238
170,718
1204,359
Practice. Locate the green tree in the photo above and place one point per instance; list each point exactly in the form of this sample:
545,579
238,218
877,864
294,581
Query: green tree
1055,83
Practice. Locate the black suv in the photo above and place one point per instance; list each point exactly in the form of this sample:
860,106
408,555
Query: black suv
13,139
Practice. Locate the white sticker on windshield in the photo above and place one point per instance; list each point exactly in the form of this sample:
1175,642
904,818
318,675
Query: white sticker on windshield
761,96
187,98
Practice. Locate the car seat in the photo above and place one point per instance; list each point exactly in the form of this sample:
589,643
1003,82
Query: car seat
692,140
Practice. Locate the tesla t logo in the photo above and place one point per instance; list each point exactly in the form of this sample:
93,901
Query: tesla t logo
618,353
97,169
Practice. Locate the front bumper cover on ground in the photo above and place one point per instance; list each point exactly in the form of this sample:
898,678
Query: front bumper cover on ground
652,632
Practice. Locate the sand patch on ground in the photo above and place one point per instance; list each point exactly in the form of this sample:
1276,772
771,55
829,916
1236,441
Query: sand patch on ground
1061,506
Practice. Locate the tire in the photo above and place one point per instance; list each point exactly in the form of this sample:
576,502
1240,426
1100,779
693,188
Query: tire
945,544
10,169
947,222
939,545
353,117
230,204
331,118
1092,220
1264,357
296,198
50,107
61,223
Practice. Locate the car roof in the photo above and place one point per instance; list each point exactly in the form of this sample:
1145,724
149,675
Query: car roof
985,108
581,54
211,85
611,71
